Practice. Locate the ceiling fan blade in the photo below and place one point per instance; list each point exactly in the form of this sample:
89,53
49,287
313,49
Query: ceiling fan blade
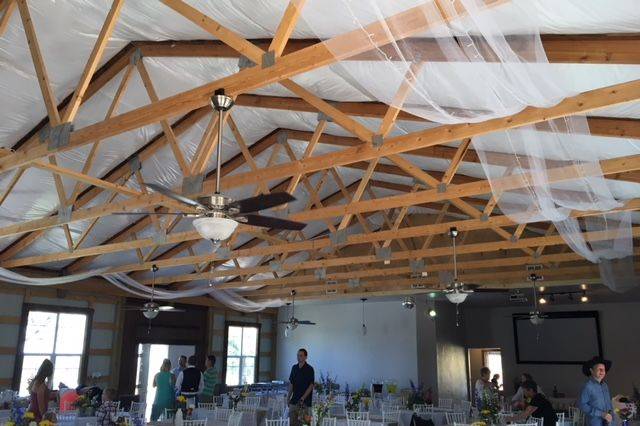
169,193
170,309
261,202
132,308
306,322
147,213
273,222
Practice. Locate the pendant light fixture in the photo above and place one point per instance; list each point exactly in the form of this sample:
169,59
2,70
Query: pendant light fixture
364,326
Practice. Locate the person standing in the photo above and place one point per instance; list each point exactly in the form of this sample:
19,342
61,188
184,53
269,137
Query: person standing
301,381
39,390
210,377
595,399
164,382
483,384
189,382
539,406
182,364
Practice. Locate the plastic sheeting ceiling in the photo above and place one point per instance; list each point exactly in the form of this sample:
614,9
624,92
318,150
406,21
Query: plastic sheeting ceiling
71,28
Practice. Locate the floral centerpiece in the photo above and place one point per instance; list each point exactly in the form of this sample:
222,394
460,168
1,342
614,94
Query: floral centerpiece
353,401
237,395
86,406
21,417
327,384
417,395
181,402
490,407
321,410
625,408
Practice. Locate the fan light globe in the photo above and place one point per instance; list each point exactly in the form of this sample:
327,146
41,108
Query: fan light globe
408,303
150,314
215,228
457,298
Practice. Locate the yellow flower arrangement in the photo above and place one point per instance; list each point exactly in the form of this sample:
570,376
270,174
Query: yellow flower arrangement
485,412
478,424
10,423
29,415
181,399
45,423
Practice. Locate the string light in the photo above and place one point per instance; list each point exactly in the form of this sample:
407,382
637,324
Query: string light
542,301
583,286
584,298
541,289
432,313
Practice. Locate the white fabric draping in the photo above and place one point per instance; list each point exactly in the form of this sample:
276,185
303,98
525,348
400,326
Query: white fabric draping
128,284
461,66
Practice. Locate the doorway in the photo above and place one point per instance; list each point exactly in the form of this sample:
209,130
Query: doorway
149,361
484,357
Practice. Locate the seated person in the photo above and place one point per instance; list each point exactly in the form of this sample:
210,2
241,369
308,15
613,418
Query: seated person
538,407
517,401
107,414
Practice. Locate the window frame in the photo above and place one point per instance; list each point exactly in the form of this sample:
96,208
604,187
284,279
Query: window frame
256,371
26,309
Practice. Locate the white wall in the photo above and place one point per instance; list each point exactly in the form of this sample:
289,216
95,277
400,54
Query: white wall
619,327
336,345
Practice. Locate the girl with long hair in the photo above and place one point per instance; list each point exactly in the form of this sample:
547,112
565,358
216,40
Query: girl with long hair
39,389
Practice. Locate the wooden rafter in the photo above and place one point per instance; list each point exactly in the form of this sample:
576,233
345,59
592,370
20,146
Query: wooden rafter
286,26
6,11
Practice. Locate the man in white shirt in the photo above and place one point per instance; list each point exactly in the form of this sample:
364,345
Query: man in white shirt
190,382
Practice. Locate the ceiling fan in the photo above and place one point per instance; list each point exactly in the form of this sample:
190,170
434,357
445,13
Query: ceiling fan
292,323
151,309
457,291
218,216
536,316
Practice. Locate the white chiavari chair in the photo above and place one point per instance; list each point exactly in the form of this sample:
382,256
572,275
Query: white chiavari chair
252,401
538,422
277,422
561,419
195,422
389,406
67,418
423,408
169,414
391,417
209,406
329,421
218,401
456,418
462,406
445,403
222,414
524,424
352,422
235,418
137,409
357,415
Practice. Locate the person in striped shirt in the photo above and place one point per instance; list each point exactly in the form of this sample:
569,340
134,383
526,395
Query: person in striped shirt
210,379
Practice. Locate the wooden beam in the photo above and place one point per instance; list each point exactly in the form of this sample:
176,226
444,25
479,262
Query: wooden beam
320,243
316,56
584,49
6,11
94,59
166,127
286,26
38,63
556,175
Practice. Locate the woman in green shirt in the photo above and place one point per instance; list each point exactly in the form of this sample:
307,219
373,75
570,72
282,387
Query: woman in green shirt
210,379
164,382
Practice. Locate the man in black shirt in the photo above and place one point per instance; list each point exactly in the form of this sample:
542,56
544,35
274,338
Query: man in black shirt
538,406
301,381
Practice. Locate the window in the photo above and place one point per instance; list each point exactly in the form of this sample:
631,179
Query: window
493,360
241,360
53,333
